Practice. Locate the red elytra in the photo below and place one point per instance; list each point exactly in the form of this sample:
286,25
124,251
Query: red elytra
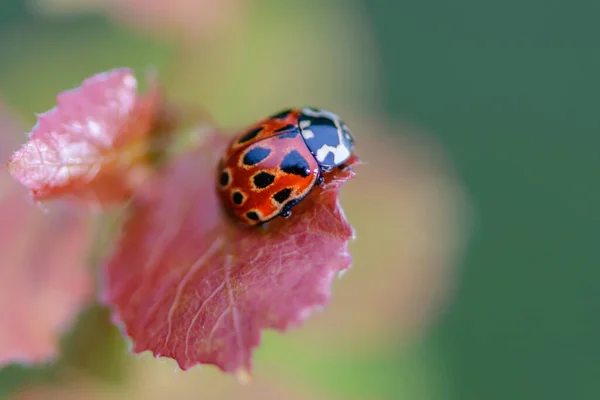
274,164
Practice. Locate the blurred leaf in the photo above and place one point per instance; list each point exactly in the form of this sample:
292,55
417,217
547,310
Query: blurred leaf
186,282
23,315
43,282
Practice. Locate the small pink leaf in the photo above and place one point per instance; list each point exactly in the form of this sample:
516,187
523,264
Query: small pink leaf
87,145
186,282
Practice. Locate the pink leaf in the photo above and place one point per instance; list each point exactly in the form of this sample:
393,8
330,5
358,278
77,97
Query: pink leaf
186,282
43,279
89,143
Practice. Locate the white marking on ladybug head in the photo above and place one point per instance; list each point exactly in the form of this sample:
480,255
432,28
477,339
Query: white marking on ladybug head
340,153
307,133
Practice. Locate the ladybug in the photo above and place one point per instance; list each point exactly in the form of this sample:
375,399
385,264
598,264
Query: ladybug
275,163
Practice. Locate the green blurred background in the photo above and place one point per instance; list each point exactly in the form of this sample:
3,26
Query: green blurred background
503,96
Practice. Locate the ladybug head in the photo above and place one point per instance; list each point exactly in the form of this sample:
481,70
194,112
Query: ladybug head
327,137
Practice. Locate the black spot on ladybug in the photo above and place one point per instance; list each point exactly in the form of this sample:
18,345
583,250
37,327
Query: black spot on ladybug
250,135
292,133
263,179
252,215
294,163
224,179
282,195
281,114
238,197
256,155
285,128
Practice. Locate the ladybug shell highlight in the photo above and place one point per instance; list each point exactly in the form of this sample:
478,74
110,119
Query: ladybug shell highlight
275,163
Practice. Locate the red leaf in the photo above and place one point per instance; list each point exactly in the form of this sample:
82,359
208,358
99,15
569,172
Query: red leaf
185,282
43,279
87,145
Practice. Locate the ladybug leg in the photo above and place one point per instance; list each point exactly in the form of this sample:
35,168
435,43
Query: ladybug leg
320,179
286,212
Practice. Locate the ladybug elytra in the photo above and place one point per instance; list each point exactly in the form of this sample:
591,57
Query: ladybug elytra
274,164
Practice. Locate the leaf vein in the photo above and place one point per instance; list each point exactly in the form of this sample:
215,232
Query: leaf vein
207,254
